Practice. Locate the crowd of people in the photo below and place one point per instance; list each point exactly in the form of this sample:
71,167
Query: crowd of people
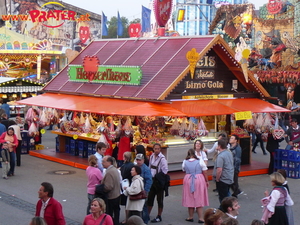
139,181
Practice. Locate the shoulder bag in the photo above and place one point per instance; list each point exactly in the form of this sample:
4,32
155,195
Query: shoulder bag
102,221
139,196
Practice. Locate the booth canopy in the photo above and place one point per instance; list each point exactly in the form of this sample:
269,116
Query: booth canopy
225,106
143,108
102,105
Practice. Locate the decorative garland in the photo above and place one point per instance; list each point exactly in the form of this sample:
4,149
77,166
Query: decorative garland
288,78
273,22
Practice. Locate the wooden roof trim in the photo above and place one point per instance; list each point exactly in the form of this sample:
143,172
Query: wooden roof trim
255,83
236,72
186,70
262,91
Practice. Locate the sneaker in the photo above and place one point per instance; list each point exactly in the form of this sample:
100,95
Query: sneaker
156,220
242,192
6,178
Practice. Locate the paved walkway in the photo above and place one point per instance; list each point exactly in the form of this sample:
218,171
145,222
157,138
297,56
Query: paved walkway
18,194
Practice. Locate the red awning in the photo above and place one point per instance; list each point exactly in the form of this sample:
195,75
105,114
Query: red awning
102,105
225,106
143,108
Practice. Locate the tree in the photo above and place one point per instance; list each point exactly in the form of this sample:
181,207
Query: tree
137,20
112,27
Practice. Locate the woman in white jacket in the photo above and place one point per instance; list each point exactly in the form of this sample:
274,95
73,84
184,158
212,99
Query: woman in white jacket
135,207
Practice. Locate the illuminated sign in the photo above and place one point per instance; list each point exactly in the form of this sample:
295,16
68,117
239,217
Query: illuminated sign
204,84
44,16
243,115
125,75
207,96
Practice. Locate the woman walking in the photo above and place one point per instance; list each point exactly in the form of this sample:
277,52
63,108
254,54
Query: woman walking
195,185
12,140
275,202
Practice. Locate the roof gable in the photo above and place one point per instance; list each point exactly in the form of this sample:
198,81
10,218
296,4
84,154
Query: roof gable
162,60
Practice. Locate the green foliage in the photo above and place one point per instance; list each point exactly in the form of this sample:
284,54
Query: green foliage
112,26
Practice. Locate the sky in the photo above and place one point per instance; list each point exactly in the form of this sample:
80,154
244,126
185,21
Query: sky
131,9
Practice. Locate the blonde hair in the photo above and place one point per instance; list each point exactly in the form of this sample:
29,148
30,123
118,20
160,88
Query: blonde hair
127,156
92,160
277,178
101,203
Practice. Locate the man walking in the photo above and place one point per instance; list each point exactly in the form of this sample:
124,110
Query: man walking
100,151
236,150
158,164
223,170
111,182
48,207
146,174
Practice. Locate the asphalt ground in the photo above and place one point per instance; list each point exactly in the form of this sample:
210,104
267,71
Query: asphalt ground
18,194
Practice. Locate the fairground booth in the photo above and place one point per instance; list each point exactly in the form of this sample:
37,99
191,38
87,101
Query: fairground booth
169,90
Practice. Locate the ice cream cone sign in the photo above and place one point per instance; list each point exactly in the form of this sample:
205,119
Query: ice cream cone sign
242,53
193,57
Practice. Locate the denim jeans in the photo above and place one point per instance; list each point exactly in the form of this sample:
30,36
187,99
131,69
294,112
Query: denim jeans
90,198
145,214
12,163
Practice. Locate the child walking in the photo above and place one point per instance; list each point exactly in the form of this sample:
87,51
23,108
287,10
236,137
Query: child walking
5,160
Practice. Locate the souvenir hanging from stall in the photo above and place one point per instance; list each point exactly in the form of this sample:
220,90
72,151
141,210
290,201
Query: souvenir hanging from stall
277,132
174,130
32,119
183,129
43,118
201,131
87,125
101,130
191,132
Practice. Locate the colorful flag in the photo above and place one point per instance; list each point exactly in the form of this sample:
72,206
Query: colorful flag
146,24
104,25
120,26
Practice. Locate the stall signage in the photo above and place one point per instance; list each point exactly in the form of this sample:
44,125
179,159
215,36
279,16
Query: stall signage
204,74
125,75
205,84
243,115
207,96
42,16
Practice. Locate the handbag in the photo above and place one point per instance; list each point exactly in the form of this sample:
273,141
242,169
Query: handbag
139,196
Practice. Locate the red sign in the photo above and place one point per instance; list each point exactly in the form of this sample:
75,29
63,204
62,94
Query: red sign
134,30
274,6
162,10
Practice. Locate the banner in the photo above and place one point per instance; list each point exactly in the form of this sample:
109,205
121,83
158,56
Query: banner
104,25
146,24
120,26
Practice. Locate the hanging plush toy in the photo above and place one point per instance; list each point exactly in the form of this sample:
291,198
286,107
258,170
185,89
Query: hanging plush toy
101,129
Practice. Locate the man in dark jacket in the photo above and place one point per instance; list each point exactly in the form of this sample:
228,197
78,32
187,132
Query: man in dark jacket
236,150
